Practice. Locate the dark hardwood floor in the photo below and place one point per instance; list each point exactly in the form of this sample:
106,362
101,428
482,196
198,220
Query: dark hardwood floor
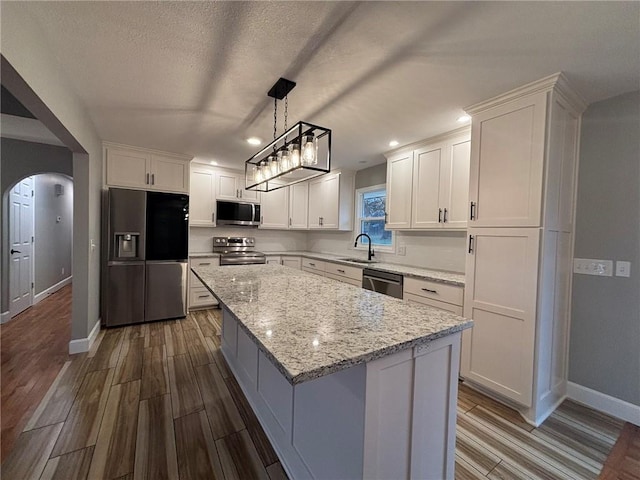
34,346
158,401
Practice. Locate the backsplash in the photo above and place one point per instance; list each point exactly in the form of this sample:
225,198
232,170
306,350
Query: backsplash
266,240
436,250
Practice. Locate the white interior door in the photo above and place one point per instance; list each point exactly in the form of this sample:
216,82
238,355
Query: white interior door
21,246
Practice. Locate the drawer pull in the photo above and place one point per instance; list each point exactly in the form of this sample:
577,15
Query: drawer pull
312,264
202,264
341,271
203,296
430,291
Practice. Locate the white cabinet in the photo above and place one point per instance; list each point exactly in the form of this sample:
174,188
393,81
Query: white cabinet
133,167
519,261
313,266
273,260
399,181
199,295
331,198
427,188
292,262
299,206
230,186
202,197
435,294
274,209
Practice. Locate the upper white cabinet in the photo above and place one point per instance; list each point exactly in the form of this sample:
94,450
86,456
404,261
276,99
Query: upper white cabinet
331,198
230,186
202,204
518,270
138,168
427,187
274,209
299,206
507,161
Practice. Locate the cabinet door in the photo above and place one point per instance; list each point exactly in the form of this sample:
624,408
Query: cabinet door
427,212
330,201
248,195
273,260
507,156
315,203
127,168
399,191
227,186
201,197
299,206
275,209
455,187
292,262
500,297
169,174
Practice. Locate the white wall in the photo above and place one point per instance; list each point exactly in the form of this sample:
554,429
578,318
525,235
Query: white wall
53,230
200,238
42,87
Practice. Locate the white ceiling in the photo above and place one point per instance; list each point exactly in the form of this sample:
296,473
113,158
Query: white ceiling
192,77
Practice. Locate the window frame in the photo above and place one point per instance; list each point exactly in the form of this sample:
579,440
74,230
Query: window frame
358,220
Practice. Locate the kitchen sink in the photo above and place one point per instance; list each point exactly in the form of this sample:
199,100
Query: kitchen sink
357,260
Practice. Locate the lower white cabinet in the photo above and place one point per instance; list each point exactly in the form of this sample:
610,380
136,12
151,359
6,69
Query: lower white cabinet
273,259
292,262
199,295
435,294
335,271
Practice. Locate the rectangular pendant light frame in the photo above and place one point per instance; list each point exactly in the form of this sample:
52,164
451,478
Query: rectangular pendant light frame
293,175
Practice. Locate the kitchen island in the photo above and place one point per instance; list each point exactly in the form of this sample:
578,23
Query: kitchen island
346,382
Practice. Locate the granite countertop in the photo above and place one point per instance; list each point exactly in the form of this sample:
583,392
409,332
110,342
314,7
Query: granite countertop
203,255
450,278
310,326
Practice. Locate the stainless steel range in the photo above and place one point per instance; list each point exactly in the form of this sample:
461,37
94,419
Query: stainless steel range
237,251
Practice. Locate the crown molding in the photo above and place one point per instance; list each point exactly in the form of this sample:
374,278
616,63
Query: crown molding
458,132
147,150
558,82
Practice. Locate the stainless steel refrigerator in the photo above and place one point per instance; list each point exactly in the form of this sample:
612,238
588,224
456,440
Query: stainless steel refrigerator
146,265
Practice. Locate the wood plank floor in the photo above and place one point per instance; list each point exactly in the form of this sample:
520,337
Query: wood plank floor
34,346
157,401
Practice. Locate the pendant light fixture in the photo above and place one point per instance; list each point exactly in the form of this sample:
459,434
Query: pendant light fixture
300,153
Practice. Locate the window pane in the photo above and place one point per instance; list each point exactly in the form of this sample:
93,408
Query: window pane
373,203
375,229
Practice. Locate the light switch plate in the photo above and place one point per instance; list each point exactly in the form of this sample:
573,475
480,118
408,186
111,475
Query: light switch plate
402,250
590,266
623,269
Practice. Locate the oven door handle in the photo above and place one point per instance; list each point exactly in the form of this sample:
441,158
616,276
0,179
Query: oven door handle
378,279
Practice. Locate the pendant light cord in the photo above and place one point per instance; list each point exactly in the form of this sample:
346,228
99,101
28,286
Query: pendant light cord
286,111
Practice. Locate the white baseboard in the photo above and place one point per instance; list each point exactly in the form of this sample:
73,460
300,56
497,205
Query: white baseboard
52,289
5,317
604,403
84,344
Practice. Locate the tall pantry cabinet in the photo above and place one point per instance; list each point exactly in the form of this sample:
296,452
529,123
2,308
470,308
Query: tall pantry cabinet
522,190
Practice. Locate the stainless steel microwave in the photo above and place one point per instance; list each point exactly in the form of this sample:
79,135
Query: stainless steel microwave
238,213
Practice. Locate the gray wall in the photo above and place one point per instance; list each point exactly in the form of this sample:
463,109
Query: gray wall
604,353
22,159
53,237
376,175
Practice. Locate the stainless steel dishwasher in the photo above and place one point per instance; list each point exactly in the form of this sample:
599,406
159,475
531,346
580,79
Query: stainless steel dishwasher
382,282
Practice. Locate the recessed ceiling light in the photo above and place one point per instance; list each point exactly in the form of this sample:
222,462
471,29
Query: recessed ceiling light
464,118
254,141
393,143
213,162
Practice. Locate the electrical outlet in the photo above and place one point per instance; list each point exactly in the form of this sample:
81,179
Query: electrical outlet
402,250
590,266
623,269
62,273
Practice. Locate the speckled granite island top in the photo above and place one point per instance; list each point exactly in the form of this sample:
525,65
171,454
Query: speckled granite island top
311,326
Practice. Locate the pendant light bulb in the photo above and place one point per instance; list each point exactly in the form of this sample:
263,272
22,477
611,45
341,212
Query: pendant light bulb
273,166
309,154
285,160
294,155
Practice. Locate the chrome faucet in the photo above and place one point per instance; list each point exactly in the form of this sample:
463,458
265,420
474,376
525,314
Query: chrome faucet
371,253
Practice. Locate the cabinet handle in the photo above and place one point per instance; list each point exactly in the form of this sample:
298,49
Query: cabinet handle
289,221
213,217
240,193
203,264
237,196
430,291
471,238
312,264
203,296
147,179
261,219
439,215
444,220
341,271
386,215
472,213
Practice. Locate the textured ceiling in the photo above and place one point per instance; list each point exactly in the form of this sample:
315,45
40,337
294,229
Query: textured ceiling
192,77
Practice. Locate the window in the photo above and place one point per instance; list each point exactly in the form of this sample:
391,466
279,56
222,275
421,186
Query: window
371,205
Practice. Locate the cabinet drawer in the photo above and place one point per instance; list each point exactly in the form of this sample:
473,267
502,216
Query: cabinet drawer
205,262
201,297
313,264
340,278
434,290
354,273
313,270
449,307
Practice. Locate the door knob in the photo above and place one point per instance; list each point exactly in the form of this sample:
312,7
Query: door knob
15,251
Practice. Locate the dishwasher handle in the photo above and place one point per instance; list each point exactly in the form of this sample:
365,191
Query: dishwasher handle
378,279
